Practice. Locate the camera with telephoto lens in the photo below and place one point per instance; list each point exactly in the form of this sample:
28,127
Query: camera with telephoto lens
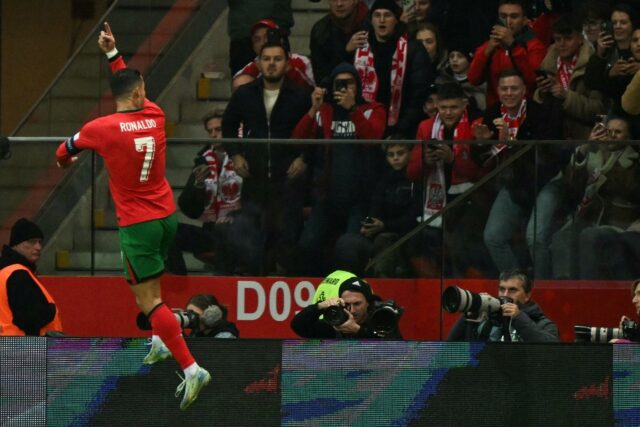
456,299
188,319
384,317
630,330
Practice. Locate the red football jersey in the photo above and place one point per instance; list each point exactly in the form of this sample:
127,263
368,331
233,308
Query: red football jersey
133,146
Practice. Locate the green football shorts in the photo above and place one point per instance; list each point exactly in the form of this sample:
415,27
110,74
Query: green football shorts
145,246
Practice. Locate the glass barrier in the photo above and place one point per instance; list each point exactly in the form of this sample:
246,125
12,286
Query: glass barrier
573,217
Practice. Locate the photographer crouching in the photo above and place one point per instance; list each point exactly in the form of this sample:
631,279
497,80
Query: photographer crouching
630,330
203,316
513,316
346,307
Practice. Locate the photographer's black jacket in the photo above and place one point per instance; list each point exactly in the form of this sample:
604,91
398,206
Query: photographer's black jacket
223,329
531,325
307,324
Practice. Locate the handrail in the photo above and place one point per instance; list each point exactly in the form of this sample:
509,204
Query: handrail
333,141
90,35
449,206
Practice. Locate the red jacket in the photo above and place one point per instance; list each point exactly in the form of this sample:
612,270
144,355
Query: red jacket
525,56
370,120
464,168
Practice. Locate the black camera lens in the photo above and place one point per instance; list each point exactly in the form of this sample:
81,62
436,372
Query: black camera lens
335,315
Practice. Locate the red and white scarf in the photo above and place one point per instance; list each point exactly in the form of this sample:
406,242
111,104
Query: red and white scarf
513,125
565,70
365,64
223,187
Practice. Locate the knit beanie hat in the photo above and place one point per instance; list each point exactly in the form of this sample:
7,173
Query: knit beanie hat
24,230
356,284
390,5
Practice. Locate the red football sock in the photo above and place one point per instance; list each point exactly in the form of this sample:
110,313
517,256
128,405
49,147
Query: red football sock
164,324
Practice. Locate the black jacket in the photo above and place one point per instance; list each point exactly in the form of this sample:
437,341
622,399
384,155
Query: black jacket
397,202
31,310
246,107
520,178
531,325
307,324
327,44
419,75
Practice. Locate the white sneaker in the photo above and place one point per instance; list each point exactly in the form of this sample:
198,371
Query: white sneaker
192,386
157,353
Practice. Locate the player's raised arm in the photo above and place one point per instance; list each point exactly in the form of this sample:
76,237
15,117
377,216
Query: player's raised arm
106,40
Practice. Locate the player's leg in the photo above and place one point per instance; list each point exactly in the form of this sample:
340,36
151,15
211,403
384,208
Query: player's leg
144,247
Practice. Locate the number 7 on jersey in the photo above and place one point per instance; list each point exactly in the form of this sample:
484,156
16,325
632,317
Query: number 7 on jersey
147,145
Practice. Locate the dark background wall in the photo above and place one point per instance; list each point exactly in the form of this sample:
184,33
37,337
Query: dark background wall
36,39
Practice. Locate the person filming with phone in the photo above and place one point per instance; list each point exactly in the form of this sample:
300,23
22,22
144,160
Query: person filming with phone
344,173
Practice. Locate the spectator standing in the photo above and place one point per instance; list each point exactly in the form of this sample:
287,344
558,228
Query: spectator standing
394,70
446,171
511,45
299,70
273,174
395,205
26,308
242,15
563,80
212,195
345,173
330,35
613,65
607,185
523,189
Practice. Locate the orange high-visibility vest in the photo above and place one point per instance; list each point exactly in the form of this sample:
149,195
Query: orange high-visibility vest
7,327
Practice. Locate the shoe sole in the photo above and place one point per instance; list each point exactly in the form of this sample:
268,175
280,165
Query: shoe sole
206,381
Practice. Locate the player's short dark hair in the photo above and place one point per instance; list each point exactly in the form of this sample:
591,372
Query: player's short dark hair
567,25
527,284
451,90
123,82
215,114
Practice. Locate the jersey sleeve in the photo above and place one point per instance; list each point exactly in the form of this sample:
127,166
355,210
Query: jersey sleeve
72,146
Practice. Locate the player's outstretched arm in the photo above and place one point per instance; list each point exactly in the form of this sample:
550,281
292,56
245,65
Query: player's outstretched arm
106,40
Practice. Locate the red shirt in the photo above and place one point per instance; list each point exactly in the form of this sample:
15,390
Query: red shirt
133,146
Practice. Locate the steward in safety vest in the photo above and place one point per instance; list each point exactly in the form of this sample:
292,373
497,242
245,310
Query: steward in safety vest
26,308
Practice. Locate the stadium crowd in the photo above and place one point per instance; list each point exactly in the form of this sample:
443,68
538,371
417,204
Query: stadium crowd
446,73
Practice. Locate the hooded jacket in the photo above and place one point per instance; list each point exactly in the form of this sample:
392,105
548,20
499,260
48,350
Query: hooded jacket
347,172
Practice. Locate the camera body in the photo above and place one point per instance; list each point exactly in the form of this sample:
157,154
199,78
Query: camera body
382,318
335,315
